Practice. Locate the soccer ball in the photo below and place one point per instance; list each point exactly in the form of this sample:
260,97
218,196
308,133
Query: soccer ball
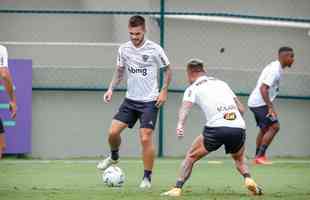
113,177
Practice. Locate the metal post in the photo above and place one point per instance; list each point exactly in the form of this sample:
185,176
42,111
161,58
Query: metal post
161,80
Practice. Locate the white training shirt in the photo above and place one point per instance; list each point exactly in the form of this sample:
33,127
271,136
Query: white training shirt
216,99
271,76
142,66
3,56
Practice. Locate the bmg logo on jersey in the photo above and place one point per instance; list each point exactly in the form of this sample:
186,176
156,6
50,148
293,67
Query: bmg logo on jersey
142,71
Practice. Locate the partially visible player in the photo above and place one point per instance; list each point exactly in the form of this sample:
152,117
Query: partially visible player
140,59
260,102
8,84
224,125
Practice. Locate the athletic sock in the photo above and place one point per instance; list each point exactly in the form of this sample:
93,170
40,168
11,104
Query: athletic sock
257,149
147,174
179,184
262,150
114,154
246,175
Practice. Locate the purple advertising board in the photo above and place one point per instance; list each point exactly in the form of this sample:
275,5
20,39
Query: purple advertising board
18,131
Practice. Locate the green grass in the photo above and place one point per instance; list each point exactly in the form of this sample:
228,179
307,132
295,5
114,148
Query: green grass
78,179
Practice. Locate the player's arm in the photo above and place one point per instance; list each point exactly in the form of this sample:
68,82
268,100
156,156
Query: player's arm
167,78
8,84
162,98
268,80
183,113
264,90
116,80
240,106
117,77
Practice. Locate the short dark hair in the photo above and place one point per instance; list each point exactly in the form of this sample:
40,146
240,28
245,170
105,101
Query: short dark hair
195,65
136,20
284,49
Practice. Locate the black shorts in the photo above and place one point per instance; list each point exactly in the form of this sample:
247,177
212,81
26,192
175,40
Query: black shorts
130,111
260,114
232,138
1,126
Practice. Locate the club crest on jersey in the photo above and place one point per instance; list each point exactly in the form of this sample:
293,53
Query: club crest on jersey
145,57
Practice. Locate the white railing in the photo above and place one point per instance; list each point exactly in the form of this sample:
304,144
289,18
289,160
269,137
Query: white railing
239,20
100,44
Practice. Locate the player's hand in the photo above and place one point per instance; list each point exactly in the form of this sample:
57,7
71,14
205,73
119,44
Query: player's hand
272,113
107,97
13,109
180,131
162,98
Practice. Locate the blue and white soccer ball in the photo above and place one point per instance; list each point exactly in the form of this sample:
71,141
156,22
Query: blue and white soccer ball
113,177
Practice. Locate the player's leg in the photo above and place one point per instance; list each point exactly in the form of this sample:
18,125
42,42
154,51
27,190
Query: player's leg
269,135
148,155
259,115
240,162
148,117
2,144
2,139
234,139
114,139
273,129
241,166
259,139
269,127
196,152
126,117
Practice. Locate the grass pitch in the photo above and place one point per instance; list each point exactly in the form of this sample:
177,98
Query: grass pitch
216,179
